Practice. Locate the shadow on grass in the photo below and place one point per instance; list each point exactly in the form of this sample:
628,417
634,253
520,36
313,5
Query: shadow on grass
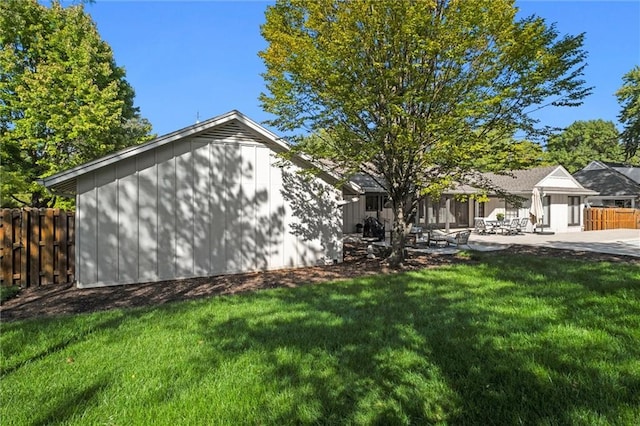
76,330
70,402
500,346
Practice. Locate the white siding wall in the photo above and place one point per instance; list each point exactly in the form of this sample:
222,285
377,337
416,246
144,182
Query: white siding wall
204,206
559,217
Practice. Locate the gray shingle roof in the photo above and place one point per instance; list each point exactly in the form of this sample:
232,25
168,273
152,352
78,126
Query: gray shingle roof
522,181
608,182
632,173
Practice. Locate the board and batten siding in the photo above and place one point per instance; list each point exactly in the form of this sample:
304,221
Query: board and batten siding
208,205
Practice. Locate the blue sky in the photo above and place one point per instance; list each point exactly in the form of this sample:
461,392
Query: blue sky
199,58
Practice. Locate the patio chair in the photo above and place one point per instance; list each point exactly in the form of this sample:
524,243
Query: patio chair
373,229
524,222
481,226
460,238
437,237
512,228
415,235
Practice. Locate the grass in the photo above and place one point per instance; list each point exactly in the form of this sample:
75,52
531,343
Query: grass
509,340
8,292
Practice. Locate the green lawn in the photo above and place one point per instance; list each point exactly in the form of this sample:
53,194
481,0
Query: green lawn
509,340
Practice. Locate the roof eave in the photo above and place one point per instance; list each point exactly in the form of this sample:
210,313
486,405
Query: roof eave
61,182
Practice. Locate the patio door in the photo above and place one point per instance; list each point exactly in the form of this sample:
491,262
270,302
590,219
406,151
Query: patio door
461,212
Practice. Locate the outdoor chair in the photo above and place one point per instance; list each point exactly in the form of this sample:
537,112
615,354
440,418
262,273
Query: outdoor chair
460,238
512,228
481,226
437,237
524,222
373,229
415,236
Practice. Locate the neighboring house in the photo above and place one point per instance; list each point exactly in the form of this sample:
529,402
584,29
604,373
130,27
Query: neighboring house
205,200
617,185
563,201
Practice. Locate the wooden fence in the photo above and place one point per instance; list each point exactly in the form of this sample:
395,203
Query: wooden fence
37,247
596,218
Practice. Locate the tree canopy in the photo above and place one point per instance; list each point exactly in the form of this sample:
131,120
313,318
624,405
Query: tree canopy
583,142
413,92
63,99
629,97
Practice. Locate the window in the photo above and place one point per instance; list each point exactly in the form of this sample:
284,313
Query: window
511,211
481,209
574,210
371,203
375,203
546,208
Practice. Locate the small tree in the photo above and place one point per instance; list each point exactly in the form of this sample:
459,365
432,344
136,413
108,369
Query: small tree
413,92
63,100
629,98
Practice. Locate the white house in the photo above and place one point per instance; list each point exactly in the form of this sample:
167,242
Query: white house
205,200
563,198
563,201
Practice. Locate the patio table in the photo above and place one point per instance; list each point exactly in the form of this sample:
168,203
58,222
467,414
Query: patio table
494,224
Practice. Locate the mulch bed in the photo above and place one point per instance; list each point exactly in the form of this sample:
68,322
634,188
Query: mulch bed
66,299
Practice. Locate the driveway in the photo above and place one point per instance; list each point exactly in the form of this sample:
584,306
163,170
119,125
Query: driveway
614,241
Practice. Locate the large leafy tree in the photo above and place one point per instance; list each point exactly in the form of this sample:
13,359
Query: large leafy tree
63,99
412,92
510,154
629,97
583,142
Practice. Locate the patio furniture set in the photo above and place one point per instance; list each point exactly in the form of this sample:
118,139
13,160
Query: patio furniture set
511,227
418,238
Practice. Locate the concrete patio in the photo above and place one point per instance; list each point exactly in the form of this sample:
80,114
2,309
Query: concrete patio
624,242
614,241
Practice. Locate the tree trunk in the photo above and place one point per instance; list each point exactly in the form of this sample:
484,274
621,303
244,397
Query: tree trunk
398,236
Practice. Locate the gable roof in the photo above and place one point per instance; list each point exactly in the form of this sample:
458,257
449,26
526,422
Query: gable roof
607,180
65,181
550,179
